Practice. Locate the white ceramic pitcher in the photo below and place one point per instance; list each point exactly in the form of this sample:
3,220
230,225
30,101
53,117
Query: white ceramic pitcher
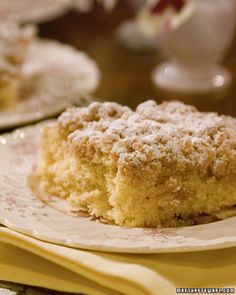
196,48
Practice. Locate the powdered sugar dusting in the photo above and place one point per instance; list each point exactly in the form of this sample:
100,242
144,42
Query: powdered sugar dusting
14,42
171,134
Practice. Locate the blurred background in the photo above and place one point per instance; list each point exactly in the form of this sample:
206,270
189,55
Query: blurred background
126,72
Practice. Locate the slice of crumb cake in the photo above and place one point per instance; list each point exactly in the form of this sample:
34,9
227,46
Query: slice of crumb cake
161,165
14,44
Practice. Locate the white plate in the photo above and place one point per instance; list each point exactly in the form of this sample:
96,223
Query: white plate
54,76
45,10
32,10
22,211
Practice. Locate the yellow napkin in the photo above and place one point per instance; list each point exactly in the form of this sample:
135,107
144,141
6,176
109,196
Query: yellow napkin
26,260
20,266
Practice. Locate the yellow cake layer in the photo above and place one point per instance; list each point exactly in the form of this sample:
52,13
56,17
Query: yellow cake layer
159,166
8,94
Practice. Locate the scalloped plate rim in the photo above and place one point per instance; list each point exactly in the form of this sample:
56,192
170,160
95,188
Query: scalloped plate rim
116,239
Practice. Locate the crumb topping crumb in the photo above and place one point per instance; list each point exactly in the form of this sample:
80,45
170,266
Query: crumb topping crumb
14,41
171,135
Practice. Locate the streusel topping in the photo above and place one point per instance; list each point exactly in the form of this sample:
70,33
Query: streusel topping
14,41
170,135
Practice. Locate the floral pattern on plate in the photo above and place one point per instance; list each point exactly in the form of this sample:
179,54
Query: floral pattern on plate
22,211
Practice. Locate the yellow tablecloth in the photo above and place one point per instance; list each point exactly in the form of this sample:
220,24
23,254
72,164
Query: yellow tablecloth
29,261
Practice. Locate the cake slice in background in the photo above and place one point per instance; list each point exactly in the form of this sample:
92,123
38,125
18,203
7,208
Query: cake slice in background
14,42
